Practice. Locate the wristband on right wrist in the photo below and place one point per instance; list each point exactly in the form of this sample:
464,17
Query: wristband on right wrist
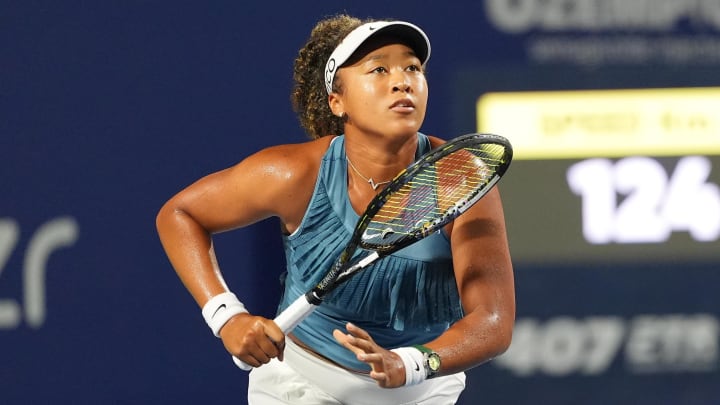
219,309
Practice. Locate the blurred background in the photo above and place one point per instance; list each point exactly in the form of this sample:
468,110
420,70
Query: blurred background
109,108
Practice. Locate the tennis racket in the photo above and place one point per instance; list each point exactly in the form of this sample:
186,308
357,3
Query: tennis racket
419,201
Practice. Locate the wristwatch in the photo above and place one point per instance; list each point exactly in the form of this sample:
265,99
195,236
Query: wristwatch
432,361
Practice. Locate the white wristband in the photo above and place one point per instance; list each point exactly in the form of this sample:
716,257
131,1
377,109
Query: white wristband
219,309
414,362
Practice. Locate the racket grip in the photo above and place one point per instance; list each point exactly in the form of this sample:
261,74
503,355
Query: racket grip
287,320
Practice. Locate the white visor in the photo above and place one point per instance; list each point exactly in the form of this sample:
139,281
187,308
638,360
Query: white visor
416,38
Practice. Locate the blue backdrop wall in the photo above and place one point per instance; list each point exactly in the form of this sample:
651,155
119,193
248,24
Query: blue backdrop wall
109,108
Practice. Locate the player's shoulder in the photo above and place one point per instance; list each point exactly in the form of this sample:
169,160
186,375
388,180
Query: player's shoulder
288,173
287,162
295,155
311,149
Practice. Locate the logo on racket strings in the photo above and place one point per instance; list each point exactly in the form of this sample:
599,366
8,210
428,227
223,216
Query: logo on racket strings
382,234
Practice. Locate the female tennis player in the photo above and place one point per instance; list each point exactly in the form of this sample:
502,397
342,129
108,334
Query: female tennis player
404,330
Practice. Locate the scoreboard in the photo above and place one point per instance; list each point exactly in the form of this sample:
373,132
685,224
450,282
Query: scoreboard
619,175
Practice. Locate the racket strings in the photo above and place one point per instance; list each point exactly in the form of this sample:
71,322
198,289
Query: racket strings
436,191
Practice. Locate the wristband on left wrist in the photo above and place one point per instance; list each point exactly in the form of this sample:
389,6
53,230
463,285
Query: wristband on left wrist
413,361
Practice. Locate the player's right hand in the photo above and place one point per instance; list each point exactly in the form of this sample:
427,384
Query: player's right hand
253,339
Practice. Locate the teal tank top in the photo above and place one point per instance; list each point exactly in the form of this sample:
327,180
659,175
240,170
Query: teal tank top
406,298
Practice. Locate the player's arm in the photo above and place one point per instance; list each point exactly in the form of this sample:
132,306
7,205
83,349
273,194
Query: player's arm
268,183
484,275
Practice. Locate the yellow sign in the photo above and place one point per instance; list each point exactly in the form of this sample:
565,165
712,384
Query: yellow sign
607,123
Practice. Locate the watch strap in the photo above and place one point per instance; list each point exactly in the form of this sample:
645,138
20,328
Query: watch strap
431,360
423,349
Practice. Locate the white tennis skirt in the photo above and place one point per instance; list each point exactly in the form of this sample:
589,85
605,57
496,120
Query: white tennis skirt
302,378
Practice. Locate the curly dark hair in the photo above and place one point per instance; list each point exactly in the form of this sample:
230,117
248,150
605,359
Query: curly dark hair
309,97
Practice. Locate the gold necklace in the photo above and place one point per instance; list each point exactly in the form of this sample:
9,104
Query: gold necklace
369,180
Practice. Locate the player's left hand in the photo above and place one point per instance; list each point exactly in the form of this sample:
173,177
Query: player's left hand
387,367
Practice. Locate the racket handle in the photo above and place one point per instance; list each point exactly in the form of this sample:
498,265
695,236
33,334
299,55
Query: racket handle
287,320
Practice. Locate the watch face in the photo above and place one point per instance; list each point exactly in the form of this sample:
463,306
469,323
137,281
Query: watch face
433,362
